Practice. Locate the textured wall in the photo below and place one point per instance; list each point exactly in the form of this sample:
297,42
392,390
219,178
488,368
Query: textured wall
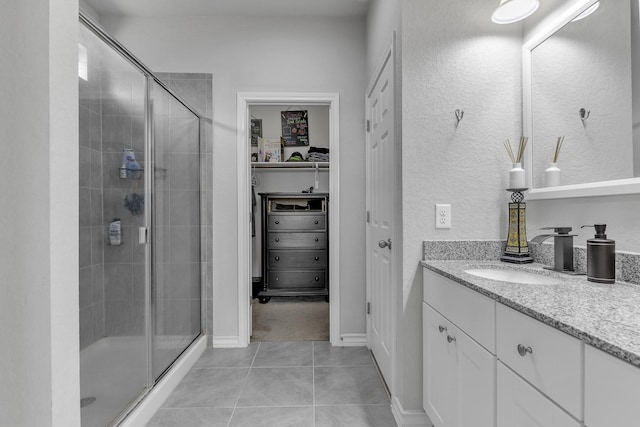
452,58
265,55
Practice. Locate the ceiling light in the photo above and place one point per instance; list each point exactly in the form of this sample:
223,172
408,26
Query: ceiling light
587,12
511,11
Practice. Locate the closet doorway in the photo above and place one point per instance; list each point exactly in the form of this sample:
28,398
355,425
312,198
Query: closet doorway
316,176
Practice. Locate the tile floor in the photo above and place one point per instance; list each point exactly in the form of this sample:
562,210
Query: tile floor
280,384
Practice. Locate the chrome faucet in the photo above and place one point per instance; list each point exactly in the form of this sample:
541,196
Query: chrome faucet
562,247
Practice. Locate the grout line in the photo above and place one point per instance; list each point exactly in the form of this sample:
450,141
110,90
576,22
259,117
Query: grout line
313,381
244,383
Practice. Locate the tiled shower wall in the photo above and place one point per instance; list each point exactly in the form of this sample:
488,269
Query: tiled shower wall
196,89
112,277
91,220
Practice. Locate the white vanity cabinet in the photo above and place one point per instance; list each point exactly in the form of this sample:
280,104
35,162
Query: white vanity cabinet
612,390
459,377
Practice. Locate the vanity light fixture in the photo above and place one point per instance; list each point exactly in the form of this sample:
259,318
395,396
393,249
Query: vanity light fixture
587,12
510,11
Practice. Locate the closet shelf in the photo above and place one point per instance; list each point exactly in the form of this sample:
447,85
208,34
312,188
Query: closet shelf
290,165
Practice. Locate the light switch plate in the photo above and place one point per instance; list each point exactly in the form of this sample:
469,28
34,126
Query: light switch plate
443,216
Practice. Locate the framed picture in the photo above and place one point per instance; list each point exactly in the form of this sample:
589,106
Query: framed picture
256,131
295,128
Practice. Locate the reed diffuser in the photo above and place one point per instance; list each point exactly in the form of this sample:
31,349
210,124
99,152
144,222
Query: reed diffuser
516,174
552,173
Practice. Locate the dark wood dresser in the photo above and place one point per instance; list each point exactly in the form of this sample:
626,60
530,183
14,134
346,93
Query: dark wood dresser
295,245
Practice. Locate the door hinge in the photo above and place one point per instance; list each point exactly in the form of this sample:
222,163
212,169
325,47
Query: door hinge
368,308
368,217
368,126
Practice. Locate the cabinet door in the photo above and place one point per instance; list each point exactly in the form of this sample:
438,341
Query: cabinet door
612,389
520,405
476,369
440,383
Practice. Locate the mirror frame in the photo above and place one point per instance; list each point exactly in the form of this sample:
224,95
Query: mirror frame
590,189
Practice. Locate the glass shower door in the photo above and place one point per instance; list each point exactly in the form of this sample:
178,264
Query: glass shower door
113,339
176,277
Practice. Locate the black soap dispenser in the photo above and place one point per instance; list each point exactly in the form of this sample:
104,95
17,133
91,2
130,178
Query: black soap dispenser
601,256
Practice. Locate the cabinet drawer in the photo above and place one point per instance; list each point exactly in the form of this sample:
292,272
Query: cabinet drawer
470,311
312,240
611,389
296,279
297,259
521,405
554,363
296,222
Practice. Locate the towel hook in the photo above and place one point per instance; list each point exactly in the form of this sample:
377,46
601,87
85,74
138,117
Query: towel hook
584,115
459,115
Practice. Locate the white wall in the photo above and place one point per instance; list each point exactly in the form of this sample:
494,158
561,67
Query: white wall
452,58
39,214
247,54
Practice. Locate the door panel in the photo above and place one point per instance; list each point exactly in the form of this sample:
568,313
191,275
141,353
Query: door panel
381,208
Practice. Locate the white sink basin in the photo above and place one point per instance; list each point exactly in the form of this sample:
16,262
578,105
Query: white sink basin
513,276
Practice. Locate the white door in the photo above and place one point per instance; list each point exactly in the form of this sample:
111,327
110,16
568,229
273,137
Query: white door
380,216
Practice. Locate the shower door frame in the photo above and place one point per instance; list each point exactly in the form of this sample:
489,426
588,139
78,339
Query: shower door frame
150,306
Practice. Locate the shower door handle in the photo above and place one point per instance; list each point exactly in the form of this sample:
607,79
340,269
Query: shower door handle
142,235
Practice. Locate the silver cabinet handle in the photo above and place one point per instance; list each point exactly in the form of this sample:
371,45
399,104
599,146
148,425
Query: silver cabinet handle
450,339
385,244
442,328
522,350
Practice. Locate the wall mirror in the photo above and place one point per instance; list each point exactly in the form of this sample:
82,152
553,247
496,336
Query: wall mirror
578,82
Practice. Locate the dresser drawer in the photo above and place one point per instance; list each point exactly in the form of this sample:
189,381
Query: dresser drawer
297,259
296,279
313,240
467,309
549,359
296,222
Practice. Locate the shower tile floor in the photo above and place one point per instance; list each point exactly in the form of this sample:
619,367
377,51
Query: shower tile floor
295,383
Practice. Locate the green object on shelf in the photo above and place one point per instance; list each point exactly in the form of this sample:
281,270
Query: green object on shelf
296,157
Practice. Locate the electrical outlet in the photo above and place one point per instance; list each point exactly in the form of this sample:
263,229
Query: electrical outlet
443,216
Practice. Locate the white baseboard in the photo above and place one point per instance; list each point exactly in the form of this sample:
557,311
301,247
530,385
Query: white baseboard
412,417
145,410
225,342
351,340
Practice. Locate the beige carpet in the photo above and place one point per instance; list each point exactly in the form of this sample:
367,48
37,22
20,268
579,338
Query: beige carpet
291,319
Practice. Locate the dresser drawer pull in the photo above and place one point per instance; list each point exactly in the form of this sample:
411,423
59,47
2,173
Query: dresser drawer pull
522,350
316,221
277,239
317,279
442,328
317,240
317,258
277,222
277,258
450,339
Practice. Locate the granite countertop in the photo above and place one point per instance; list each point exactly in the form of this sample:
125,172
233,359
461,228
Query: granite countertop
606,316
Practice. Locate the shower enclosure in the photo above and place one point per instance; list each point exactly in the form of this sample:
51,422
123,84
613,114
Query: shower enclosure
140,229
